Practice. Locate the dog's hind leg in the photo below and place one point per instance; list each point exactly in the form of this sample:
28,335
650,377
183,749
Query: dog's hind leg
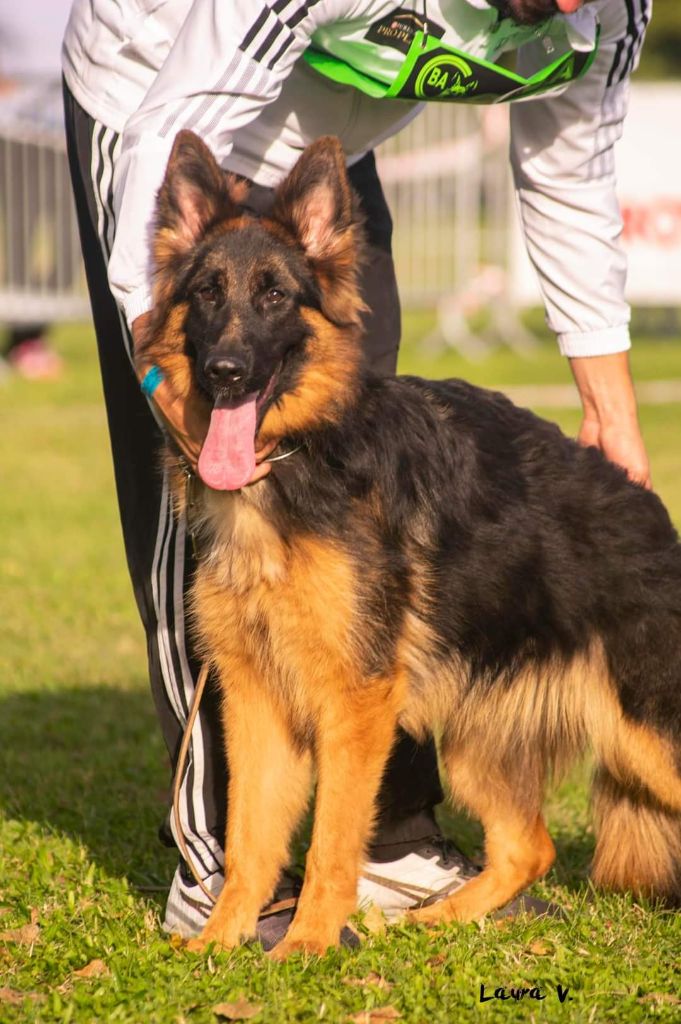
269,789
355,733
506,798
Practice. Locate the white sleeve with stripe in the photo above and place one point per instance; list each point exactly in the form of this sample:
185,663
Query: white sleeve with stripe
564,169
229,60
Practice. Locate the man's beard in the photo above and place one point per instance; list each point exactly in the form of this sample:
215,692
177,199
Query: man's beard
526,12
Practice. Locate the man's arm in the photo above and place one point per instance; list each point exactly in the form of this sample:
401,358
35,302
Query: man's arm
610,420
563,163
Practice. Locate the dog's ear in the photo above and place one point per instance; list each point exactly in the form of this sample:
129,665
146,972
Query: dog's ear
315,200
317,205
195,193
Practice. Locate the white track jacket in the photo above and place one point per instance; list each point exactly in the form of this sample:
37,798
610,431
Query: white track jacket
231,70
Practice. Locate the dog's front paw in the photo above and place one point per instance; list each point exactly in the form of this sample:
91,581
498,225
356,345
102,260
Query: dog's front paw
311,947
452,908
430,916
224,937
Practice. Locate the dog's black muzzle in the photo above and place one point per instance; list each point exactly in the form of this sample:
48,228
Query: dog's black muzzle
225,371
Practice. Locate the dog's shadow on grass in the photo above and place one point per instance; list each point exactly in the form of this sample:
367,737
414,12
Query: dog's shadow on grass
90,764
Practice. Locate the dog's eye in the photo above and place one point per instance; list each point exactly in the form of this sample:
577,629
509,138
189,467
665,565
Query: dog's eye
273,296
209,293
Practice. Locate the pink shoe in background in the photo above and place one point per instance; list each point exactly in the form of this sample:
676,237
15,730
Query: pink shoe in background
35,360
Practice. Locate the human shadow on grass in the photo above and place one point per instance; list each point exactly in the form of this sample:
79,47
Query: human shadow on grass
91,765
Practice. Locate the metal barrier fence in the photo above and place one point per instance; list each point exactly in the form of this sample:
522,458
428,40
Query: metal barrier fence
41,273
445,176
447,180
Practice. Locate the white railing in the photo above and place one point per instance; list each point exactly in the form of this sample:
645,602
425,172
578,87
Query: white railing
41,272
445,176
447,182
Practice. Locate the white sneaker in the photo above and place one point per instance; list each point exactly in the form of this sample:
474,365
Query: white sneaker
430,870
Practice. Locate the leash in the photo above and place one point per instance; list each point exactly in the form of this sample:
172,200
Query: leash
271,908
179,773
278,905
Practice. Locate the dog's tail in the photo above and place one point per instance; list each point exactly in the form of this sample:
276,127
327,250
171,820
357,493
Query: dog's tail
637,785
639,837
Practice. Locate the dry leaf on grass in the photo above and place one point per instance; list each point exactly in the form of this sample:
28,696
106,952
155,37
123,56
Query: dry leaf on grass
95,969
181,1017
437,960
540,948
25,936
660,997
376,1016
151,920
374,921
14,998
371,979
239,1010
11,996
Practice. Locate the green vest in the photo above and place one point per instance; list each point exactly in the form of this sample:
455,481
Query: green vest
434,71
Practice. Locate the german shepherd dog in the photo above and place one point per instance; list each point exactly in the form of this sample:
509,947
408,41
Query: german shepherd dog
430,556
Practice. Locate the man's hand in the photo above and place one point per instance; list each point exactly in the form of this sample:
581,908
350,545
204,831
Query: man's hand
610,415
183,417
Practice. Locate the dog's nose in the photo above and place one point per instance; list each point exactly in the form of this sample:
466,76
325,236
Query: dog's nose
223,369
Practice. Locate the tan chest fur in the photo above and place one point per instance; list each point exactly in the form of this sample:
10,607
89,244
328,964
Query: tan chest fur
284,611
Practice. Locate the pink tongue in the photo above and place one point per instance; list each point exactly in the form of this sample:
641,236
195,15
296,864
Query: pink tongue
227,459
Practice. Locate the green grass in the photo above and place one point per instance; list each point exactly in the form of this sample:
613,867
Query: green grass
84,777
